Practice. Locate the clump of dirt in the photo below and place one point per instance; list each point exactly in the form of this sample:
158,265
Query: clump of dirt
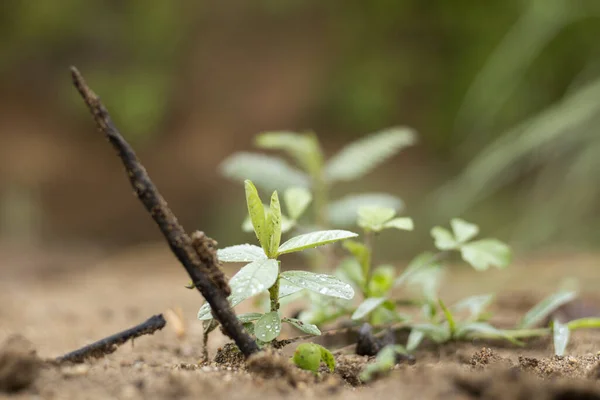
269,364
19,364
486,357
229,356
572,367
349,367
516,384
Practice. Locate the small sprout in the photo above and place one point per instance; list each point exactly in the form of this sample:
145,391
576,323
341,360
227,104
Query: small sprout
384,362
263,271
308,356
376,219
480,254
560,334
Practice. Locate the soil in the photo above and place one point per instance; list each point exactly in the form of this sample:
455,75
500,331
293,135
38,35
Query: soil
48,311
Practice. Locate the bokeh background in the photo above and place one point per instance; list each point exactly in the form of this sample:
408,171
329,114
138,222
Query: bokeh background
504,94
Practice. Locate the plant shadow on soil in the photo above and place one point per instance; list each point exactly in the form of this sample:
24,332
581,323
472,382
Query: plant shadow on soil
62,311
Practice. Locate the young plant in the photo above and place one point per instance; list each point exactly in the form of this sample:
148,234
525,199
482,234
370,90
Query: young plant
318,176
373,283
263,271
425,272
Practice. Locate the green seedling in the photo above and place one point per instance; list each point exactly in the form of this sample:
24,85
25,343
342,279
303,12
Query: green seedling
316,175
308,356
262,273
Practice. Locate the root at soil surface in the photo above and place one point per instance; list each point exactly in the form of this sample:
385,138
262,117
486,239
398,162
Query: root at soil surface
19,364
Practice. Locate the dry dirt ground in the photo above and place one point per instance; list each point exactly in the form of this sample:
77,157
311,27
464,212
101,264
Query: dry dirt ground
60,300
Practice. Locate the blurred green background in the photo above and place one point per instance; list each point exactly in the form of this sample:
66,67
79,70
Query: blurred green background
505,96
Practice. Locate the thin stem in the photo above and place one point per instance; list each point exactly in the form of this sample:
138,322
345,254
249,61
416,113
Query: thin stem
368,268
274,295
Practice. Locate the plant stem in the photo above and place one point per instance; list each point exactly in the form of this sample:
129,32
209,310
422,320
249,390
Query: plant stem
274,295
368,272
321,195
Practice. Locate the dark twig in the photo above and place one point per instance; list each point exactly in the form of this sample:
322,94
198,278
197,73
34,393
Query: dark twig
109,344
198,256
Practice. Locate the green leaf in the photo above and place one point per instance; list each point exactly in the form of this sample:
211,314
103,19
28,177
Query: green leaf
325,285
544,308
249,327
296,201
304,148
256,211
209,325
428,280
314,239
249,317
286,223
414,340
449,317
241,253
403,224
367,306
382,280
444,240
343,212
362,254
437,333
327,358
463,230
268,326
423,260
484,253
308,357
350,270
269,173
303,326
475,304
372,218
274,226
483,330
362,156
584,323
560,334
250,280
287,289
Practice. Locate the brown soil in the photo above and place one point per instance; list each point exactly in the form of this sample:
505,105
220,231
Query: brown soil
92,296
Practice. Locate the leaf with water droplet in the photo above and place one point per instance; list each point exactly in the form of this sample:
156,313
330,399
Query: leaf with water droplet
268,326
252,279
314,239
241,253
319,283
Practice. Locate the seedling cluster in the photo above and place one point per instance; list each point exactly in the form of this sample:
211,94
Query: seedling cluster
374,213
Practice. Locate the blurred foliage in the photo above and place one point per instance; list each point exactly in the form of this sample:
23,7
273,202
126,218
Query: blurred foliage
130,49
514,82
531,116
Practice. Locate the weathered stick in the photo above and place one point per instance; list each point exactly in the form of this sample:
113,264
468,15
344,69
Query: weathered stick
198,256
109,344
